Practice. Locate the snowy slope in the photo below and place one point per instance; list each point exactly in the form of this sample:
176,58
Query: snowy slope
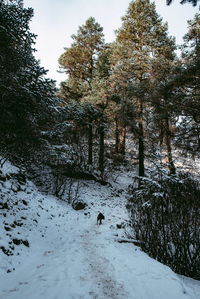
66,255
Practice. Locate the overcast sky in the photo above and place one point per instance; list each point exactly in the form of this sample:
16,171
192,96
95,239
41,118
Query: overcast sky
55,21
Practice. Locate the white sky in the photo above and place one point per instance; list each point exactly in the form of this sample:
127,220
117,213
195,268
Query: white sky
56,20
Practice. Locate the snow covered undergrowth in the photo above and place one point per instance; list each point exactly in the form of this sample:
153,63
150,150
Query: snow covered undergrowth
62,253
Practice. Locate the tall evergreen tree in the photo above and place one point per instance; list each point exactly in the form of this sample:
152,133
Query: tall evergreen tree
100,96
25,95
191,57
190,84
165,104
122,102
79,62
142,37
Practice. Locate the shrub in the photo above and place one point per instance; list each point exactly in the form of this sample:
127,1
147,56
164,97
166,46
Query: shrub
165,216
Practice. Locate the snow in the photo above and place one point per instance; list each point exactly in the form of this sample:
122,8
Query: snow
70,256
8,168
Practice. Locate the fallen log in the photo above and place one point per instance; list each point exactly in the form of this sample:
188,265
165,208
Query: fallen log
135,242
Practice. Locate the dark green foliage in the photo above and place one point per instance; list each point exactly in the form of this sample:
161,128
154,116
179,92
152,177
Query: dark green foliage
165,216
25,95
194,2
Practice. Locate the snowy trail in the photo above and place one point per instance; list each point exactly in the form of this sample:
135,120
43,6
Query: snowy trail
105,285
84,268
53,271
71,257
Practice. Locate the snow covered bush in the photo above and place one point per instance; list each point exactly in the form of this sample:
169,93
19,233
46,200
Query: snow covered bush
165,217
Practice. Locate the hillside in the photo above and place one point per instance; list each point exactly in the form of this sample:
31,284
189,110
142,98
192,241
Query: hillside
49,250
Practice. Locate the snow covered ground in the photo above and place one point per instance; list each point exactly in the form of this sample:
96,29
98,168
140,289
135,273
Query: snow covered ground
60,253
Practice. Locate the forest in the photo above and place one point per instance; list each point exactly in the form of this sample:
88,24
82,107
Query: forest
130,104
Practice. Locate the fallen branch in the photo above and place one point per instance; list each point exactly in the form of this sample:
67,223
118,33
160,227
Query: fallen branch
135,242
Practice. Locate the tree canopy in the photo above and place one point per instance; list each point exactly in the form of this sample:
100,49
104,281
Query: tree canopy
25,93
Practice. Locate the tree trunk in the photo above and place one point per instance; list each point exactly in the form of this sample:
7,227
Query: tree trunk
101,151
141,139
90,143
123,142
117,140
169,159
161,133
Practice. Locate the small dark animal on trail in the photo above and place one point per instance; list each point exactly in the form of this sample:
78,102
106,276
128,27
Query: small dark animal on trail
100,217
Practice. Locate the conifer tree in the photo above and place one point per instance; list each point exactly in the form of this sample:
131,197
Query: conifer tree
190,83
141,38
123,108
165,103
99,96
79,63
191,57
25,94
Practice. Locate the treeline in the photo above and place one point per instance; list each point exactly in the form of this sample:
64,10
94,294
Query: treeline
136,84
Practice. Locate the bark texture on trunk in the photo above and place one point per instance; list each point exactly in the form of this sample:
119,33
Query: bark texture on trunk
90,144
141,139
123,142
101,151
117,139
169,159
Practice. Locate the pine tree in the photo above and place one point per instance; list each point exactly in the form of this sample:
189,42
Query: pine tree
102,94
191,57
142,37
79,62
25,95
190,78
165,103
122,103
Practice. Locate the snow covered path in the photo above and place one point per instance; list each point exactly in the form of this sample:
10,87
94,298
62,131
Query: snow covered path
71,257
